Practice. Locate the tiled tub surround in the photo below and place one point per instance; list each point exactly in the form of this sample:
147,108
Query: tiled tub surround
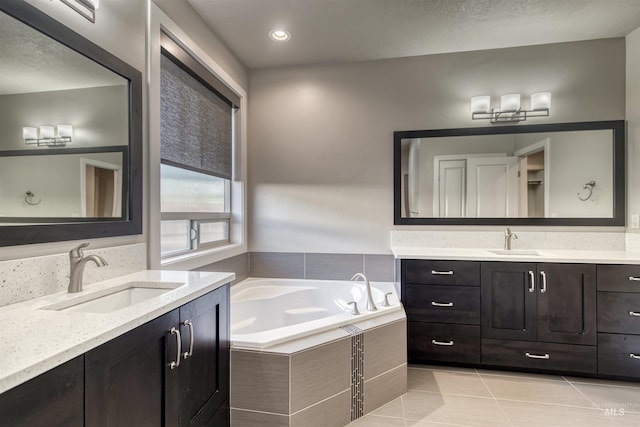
41,339
28,278
316,381
300,358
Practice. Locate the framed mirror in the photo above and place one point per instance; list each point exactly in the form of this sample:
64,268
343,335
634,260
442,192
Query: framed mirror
570,174
71,134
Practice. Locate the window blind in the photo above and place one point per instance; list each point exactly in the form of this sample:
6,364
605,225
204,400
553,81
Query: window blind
195,122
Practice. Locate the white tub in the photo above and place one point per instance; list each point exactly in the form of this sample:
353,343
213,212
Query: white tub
266,312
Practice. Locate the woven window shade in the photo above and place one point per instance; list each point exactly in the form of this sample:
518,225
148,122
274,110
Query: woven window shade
196,123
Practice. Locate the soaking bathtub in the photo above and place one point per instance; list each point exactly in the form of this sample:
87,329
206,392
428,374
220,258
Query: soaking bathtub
266,312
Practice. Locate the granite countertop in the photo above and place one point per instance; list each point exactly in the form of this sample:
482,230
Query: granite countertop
36,339
521,255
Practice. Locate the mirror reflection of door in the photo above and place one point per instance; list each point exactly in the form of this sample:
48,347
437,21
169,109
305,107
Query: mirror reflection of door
492,191
101,189
533,179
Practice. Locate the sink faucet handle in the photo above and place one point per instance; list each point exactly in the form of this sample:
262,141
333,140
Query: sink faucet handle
77,252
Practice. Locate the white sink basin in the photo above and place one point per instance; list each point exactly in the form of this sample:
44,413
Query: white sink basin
116,298
516,252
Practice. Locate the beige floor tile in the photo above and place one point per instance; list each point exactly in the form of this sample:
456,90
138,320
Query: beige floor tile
411,423
536,391
467,384
581,380
377,421
449,409
612,397
392,409
499,373
625,420
523,414
443,368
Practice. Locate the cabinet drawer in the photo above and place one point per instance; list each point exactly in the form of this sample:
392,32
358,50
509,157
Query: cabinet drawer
426,272
536,355
445,304
619,312
443,342
619,355
619,278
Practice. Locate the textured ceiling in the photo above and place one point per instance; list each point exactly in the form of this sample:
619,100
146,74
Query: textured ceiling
356,30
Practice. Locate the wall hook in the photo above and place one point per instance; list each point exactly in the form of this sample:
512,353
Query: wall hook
28,198
589,187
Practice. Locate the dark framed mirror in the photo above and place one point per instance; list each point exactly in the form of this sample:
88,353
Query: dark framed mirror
71,126
566,174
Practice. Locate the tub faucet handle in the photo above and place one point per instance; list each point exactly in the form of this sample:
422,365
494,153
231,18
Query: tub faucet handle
386,302
355,310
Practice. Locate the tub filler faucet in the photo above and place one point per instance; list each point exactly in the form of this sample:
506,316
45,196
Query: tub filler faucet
371,306
77,262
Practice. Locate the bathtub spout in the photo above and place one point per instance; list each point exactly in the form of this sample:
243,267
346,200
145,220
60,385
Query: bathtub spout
371,306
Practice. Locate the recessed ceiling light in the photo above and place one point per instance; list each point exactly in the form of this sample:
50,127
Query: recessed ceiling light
279,35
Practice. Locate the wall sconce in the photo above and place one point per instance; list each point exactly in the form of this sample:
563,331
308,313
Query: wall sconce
86,8
510,109
48,136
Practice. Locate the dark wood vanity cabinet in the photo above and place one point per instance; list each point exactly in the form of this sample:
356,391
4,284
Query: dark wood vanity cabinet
53,399
619,320
135,379
442,302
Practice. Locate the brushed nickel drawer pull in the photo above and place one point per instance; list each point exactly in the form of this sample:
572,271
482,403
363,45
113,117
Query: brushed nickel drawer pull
188,354
442,273
450,342
537,356
176,363
441,304
544,282
634,356
532,282
634,279
634,314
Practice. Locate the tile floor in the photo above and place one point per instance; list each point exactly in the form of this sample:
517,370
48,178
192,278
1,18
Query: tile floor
443,396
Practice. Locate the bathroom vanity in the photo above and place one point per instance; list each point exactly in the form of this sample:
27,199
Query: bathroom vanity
557,311
161,361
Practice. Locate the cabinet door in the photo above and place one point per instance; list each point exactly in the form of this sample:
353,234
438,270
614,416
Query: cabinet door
567,303
204,375
128,381
53,399
508,291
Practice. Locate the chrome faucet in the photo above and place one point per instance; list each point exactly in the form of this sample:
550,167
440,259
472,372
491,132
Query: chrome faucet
77,262
371,306
508,235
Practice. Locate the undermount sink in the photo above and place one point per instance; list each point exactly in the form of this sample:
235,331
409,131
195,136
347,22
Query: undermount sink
116,298
516,252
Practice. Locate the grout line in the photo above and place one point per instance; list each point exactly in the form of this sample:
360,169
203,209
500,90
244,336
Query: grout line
547,404
585,396
496,401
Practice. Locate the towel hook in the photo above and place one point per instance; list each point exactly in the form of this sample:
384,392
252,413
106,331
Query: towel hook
589,187
28,198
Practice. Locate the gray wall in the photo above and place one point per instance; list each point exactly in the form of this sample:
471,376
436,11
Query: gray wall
320,137
633,124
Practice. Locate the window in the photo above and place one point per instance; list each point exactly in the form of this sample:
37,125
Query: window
196,142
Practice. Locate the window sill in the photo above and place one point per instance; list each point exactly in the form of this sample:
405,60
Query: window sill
201,258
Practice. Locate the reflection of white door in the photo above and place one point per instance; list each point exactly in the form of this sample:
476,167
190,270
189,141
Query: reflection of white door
452,186
492,187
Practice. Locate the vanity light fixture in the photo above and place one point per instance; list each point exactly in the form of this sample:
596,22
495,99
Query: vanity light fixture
86,8
279,35
47,135
510,108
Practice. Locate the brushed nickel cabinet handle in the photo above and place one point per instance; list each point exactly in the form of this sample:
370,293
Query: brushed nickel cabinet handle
537,356
441,304
176,363
442,273
634,356
532,282
544,282
634,279
188,354
634,314
448,343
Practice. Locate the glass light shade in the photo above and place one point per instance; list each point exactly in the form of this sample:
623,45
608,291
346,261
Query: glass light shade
541,101
91,4
64,131
47,132
29,132
481,104
510,102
